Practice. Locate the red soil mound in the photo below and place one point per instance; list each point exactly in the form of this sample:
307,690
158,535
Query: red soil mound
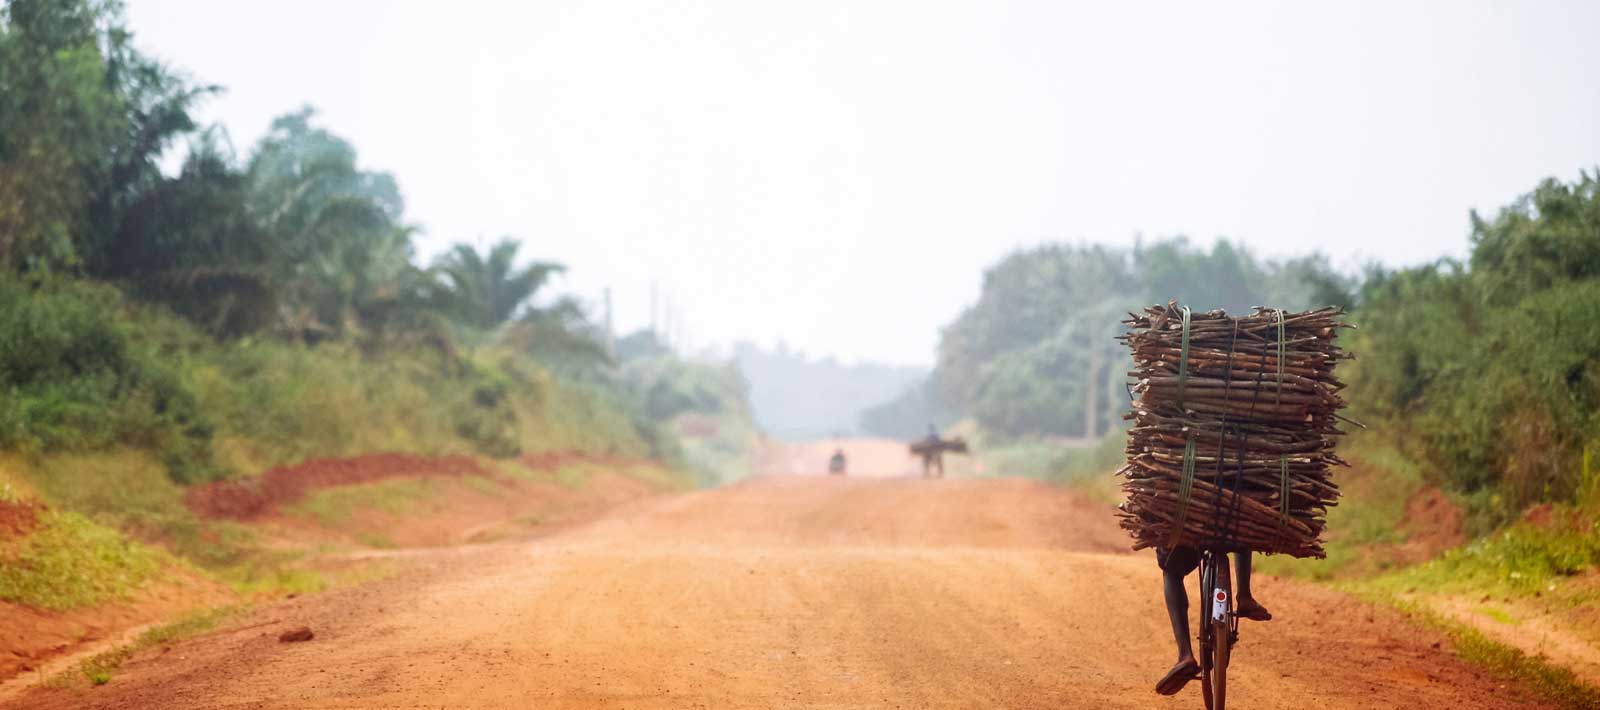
18,519
1433,524
552,460
548,460
253,498
29,637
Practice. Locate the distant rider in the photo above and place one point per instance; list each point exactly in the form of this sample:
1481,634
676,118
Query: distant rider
932,452
1176,564
836,464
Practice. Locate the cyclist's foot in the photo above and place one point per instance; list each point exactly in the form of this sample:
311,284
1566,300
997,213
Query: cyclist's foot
1252,610
1180,675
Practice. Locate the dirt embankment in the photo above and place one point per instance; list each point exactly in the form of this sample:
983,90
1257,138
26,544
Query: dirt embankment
18,519
247,498
30,637
453,512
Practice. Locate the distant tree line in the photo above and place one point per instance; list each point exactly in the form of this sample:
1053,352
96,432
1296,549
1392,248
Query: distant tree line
1036,355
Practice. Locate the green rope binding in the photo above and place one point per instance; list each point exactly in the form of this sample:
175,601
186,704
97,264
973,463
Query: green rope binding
1280,356
1283,461
1185,489
1183,359
1283,492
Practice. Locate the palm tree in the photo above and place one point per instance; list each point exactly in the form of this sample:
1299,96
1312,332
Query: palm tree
487,290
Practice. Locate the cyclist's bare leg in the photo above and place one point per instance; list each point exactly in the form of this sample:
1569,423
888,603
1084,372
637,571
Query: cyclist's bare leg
1248,607
1186,668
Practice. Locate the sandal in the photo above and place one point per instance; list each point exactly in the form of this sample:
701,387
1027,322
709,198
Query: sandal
1253,612
1178,677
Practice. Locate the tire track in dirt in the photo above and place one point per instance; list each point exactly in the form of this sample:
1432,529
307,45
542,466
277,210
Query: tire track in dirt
786,592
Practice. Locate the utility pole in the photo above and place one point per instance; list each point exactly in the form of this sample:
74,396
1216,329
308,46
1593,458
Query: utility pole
1091,395
611,330
666,321
1116,386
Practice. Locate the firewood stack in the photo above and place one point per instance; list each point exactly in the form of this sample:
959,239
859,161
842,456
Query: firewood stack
956,445
1231,446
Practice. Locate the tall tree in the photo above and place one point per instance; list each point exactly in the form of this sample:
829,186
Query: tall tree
84,118
485,290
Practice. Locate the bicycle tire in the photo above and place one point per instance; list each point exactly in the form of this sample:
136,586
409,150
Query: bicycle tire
1207,575
1220,630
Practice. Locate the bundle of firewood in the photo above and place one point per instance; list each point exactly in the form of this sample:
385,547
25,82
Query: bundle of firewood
1233,429
956,445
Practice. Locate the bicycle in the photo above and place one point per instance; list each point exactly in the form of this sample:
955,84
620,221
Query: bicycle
1217,622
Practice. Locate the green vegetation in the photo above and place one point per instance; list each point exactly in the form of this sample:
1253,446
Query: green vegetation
71,561
262,308
77,377
333,506
1490,370
1521,560
705,407
1035,356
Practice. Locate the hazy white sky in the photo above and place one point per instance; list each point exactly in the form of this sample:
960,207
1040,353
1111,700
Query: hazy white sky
836,174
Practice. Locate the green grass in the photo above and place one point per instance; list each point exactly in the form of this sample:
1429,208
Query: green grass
573,475
1032,459
129,491
1522,560
99,669
72,562
274,403
333,507
483,484
376,540
1497,613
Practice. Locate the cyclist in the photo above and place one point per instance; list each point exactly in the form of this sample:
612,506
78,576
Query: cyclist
836,464
1176,564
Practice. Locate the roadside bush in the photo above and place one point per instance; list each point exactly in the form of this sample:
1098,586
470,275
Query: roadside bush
277,402
1492,373
75,378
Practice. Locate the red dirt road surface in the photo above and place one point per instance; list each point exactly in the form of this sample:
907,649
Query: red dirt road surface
793,592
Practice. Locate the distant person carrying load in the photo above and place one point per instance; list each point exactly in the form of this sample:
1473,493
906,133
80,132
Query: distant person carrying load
932,450
836,464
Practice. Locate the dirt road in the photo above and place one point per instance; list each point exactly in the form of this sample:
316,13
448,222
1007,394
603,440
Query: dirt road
792,592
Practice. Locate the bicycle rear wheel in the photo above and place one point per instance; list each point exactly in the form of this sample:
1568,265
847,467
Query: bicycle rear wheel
1219,625
1208,575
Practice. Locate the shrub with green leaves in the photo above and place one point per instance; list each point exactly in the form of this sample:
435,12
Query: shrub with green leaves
1490,370
75,377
